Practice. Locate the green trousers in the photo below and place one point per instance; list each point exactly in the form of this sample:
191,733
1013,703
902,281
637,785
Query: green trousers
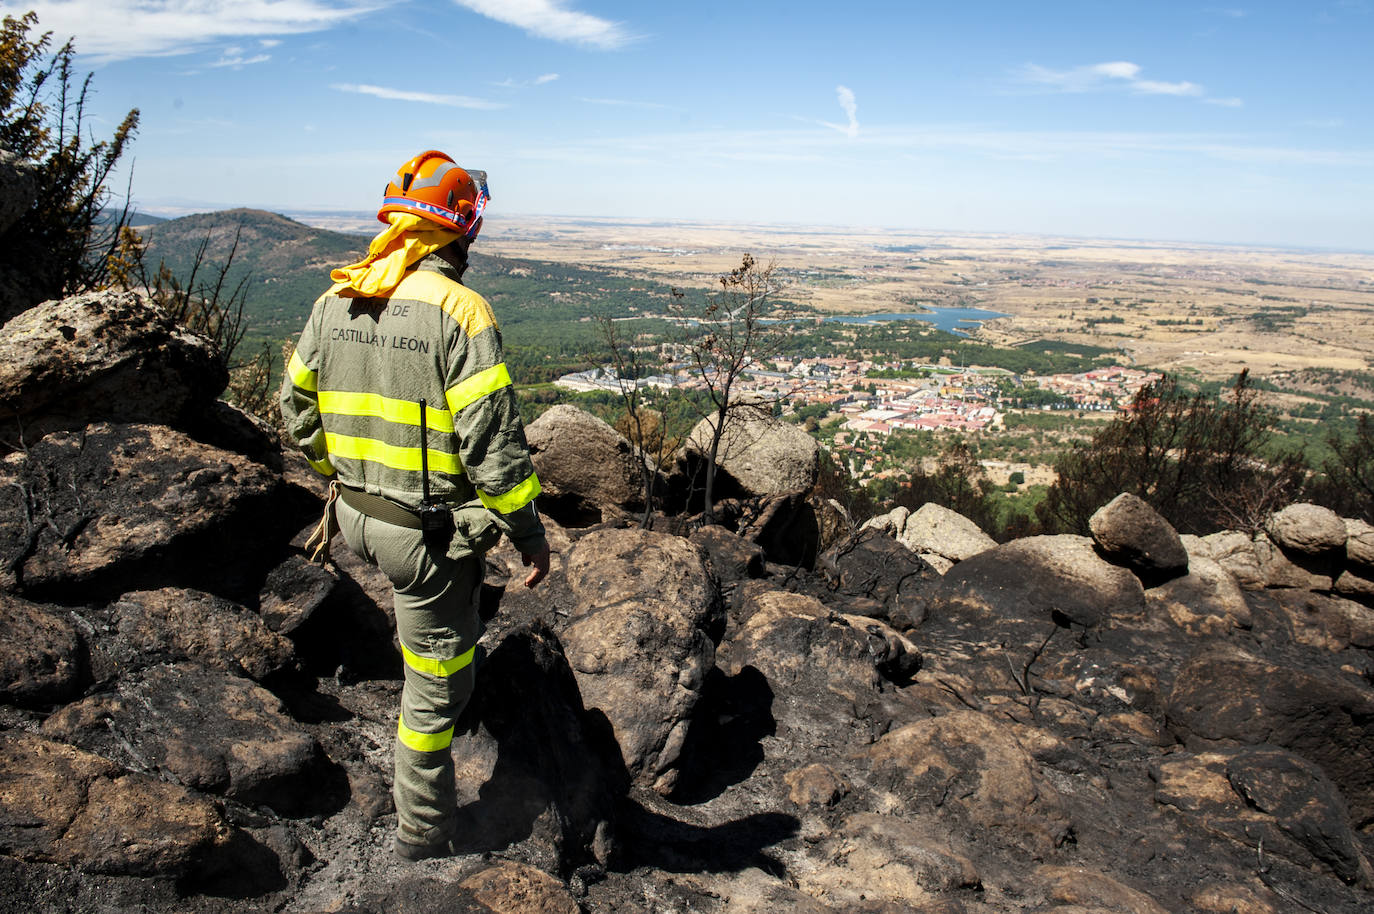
436,619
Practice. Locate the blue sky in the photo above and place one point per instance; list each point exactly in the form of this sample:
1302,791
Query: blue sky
1244,123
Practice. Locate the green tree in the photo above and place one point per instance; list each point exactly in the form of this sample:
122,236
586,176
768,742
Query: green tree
1347,484
1197,459
59,245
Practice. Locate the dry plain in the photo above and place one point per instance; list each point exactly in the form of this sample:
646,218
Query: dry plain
1204,308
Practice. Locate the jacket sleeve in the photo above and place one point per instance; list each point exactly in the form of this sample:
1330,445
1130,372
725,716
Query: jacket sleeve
300,400
486,419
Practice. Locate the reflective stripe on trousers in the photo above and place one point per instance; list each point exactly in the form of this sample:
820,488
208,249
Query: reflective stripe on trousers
436,619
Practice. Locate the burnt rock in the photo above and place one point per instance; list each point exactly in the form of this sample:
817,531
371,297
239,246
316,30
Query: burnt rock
173,624
102,357
1205,601
730,557
209,730
549,770
967,764
792,638
1227,697
511,887
1324,621
1305,804
1080,889
90,513
882,863
641,641
870,574
584,466
786,527
292,593
59,804
1133,534
42,657
1307,529
1265,798
1043,578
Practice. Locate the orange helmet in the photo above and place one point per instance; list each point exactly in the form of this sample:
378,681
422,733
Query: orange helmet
432,186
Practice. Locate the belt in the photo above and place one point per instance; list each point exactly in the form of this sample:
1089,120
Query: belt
379,508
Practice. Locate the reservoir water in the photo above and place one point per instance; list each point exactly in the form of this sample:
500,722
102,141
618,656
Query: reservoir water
946,319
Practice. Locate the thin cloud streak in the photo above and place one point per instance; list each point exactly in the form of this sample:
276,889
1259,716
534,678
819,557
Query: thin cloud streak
1104,76
238,61
109,30
513,83
428,98
552,20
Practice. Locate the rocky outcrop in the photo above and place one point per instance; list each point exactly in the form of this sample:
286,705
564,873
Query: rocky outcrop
101,357
937,530
1309,529
641,641
208,730
584,466
1228,697
193,717
40,656
96,511
1133,534
759,454
1048,578
61,805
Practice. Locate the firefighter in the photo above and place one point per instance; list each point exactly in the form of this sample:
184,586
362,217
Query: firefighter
398,392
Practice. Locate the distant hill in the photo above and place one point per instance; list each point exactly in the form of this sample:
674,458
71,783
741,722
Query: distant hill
287,263
136,219
543,307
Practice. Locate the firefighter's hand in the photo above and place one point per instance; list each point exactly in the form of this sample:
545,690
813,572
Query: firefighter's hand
540,561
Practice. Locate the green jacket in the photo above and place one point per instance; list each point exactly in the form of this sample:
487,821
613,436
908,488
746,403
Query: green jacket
351,397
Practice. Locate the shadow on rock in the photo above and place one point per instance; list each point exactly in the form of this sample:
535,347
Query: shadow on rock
240,868
555,771
724,745
660,841
350,636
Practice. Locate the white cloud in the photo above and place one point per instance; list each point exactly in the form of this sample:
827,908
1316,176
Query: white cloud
121,29
845,95
512,83
551,19
234,59
1105,76
428,98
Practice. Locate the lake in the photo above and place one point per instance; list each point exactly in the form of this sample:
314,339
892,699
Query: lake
946,319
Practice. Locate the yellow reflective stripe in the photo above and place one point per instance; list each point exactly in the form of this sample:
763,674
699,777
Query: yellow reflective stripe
423,742
321,466
402,412
469,390
390,455
436,667
301,375
469,309
513,500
